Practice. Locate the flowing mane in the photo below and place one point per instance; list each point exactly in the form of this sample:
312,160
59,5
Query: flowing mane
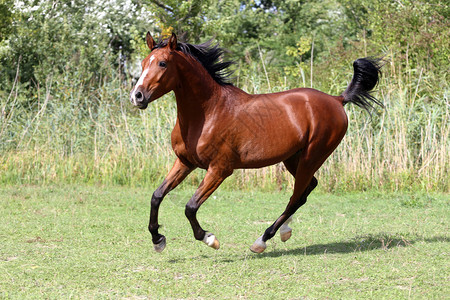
209,56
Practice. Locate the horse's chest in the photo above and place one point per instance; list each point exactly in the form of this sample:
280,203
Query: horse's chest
185,146
202,148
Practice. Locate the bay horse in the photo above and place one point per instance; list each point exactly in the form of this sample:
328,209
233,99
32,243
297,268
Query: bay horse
219,127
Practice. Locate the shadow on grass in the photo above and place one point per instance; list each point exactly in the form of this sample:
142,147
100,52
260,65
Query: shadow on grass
361,243
357,244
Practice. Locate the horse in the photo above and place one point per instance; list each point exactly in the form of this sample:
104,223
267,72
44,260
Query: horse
220,128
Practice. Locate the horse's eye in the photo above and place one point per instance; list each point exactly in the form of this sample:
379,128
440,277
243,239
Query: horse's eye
162,64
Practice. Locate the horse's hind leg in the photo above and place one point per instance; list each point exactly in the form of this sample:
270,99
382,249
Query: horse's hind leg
176,175
305,182
283,221
291,165
285,230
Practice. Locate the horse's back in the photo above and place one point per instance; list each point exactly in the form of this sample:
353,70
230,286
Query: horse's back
310,107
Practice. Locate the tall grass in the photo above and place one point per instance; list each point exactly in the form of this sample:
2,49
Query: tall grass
70,133
405,146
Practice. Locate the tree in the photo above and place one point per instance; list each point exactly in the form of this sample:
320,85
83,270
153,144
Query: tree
6,18
416,30
67,37
183,17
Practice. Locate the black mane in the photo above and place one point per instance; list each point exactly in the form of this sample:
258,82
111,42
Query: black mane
210,58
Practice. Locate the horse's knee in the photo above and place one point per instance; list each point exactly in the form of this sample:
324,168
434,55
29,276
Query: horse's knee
190,211
156,199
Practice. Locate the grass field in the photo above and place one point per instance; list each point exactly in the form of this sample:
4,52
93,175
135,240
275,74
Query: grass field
92,242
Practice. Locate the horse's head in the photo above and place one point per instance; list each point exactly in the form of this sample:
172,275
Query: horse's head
158,76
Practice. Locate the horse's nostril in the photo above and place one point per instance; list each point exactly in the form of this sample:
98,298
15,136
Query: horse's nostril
139,96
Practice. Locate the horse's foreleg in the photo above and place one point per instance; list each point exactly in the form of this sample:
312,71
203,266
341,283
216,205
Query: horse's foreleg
176,175
210,183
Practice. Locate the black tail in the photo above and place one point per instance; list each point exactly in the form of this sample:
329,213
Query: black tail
365,78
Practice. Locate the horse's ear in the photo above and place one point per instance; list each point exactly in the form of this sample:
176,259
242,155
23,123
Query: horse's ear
150,41
173,42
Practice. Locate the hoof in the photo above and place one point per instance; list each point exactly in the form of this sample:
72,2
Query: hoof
161,245
285,234
258,246
285,230
211,240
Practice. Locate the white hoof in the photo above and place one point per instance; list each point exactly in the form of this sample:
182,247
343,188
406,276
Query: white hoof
160,247
285,234
285,230
258,246
211,240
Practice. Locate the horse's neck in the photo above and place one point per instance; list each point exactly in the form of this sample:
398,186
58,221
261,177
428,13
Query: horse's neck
196,96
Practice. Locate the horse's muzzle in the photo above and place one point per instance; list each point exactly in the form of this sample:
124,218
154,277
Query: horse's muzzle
139,99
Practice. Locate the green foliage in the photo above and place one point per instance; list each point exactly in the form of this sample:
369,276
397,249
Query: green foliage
183,17
6,19
303,46
416,31
66,69
71,38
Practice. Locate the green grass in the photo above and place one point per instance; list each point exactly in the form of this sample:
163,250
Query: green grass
92,242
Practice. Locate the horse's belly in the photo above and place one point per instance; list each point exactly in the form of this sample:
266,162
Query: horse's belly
269,150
